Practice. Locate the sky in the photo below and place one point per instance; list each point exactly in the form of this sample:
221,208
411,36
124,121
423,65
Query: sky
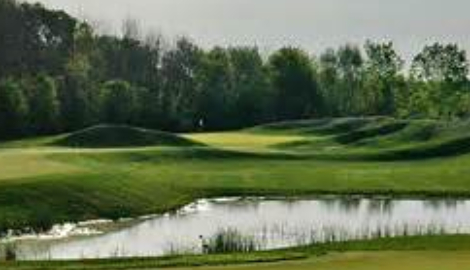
270,24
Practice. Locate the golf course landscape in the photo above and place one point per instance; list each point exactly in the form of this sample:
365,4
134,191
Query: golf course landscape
234,135
114,172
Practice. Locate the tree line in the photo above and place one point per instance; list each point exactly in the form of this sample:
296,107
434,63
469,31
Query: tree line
58,74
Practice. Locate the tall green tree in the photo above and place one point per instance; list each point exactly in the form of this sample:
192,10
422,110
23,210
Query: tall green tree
43,104
382,69
46,39
119,102
252,93
294,81
179,84
79,93
330,83
350,70
151,96
441,63
13,109
10,41
439,74
215,99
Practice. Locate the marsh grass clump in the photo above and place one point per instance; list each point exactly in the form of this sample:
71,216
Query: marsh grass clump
230,241
41,220
9,251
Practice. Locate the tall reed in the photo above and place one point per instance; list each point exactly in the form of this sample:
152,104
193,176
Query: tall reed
230,241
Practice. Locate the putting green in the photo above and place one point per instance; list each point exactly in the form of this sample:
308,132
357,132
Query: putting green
244,140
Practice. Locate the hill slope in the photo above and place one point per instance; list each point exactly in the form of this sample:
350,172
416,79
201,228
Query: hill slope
103,136
374,137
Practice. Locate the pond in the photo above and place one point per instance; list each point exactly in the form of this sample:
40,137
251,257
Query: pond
274,223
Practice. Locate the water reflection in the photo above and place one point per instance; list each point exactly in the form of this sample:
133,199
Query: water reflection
380,206
274,223
448,204
349,204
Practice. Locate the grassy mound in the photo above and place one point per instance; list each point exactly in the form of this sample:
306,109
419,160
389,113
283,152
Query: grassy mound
372,138
412,139
326,126
104,136
373,131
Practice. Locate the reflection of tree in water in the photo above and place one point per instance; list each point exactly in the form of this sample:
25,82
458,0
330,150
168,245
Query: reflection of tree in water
241,204
442,204
29,249
291,203
329,202
382,206
349,204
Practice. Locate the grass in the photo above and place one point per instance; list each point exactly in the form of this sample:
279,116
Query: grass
370,261
416,253
39,181
54,179
244,139
16,165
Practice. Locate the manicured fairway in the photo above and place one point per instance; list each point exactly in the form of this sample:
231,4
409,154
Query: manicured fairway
385,260
415,260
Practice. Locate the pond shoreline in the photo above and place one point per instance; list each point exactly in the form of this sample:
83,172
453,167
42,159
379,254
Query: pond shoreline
296,236
443,243
118,223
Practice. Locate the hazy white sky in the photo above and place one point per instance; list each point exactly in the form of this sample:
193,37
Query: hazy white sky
312,24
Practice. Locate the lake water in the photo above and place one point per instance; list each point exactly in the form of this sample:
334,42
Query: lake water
274,223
